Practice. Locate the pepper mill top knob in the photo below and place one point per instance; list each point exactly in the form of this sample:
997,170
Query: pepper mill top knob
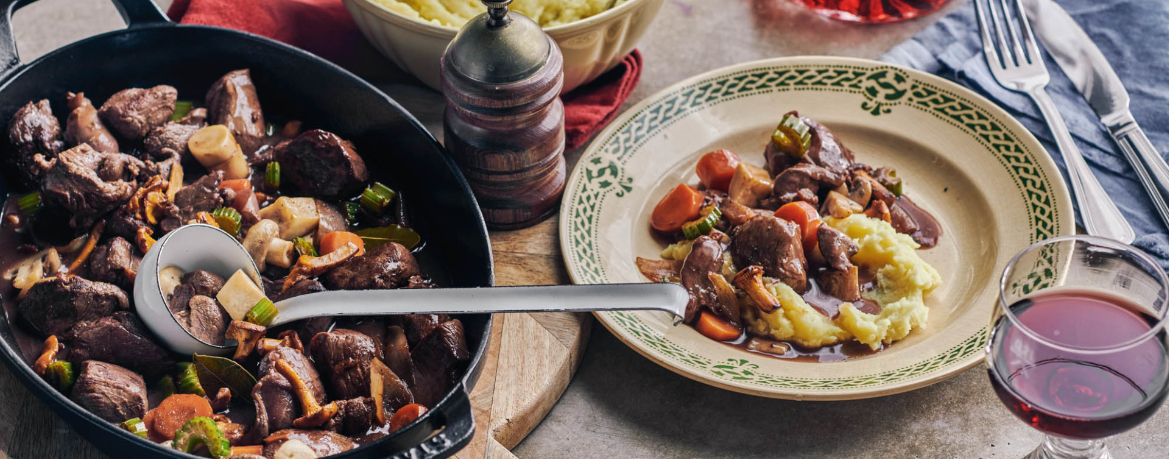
499,47
497,13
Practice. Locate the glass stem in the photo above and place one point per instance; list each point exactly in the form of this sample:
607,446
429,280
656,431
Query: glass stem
1062,448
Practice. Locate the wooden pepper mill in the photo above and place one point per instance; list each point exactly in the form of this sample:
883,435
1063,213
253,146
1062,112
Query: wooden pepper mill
504,121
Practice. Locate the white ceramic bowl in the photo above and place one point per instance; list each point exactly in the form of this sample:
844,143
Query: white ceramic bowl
591,46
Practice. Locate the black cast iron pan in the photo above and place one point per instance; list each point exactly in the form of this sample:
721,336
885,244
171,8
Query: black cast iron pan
294,84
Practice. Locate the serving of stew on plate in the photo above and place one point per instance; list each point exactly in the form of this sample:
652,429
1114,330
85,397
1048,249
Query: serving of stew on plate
118,176
812,256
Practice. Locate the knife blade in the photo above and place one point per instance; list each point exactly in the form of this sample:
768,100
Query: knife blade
1094,78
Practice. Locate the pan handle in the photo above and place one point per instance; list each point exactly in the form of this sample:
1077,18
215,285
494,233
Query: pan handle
457,416
134,12
140,12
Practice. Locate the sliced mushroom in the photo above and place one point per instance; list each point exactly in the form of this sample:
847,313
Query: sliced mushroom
49,352
860,191
308,267
728,302
314,413
287,338
259,238
32,269
246,336
879,210
839,206
750,279
281,253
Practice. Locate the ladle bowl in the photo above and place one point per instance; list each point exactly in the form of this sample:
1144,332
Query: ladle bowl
205,247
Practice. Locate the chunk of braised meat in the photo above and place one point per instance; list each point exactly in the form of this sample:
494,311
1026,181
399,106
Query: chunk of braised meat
373,327
706,256
133,112
123,224
111,392
33,131
397,354
207,320
84,126
179,302
170,140
121,339
343,357
200,196
774,244
115,262
836,247
802,182
54,306
390,265
826,150
323,442
301,287
322,165
331,219
232,102
438,361
354,416
275,400
844,285
206,283
418,326
88,184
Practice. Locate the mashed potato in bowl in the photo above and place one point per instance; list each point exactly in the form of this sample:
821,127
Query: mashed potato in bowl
455,13
903,280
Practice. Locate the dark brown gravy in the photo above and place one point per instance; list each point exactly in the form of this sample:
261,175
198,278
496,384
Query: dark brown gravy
925,228
834,353
11,238
829,306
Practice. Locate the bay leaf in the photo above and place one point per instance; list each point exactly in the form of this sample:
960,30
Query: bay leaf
216,372
374,237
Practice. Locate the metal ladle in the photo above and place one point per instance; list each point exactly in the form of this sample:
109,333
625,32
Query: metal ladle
205,247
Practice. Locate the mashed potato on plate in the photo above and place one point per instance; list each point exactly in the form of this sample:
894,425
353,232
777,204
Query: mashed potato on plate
455,13
903,280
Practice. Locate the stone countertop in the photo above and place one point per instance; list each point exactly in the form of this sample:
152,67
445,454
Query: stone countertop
620,404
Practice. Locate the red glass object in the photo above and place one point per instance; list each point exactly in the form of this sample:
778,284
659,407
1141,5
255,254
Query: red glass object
872,10
1074,395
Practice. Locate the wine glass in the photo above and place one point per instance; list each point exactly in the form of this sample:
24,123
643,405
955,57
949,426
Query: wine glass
1078,346
872,10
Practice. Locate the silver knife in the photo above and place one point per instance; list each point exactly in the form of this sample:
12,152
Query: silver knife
1085,65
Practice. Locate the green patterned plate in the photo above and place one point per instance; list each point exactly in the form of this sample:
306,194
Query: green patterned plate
989,182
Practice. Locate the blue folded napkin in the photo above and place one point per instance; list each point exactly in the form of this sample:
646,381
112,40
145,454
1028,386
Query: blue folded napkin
1132,34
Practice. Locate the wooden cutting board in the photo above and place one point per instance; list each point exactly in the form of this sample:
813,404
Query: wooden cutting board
532,357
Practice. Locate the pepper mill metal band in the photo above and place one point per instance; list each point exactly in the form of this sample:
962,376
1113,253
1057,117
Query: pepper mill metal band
504,121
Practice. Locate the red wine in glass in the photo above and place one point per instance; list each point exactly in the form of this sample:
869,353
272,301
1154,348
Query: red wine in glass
873,10
1073,394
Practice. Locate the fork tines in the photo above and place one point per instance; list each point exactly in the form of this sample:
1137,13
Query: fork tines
1002,23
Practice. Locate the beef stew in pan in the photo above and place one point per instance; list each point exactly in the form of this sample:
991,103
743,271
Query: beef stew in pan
146,161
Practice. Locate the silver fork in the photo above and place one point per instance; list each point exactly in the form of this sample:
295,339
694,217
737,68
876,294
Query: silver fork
1022,70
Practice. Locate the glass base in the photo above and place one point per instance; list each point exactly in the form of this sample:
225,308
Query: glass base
1062,448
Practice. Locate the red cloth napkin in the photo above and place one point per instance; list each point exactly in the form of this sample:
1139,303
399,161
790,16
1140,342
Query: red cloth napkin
591,107
324,28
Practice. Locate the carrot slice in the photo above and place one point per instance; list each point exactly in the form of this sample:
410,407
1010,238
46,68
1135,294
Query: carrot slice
337,239
406,415
716,168
804,215
173,412
715,328
679,206
236,184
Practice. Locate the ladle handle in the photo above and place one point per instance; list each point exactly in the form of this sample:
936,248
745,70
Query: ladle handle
667,297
